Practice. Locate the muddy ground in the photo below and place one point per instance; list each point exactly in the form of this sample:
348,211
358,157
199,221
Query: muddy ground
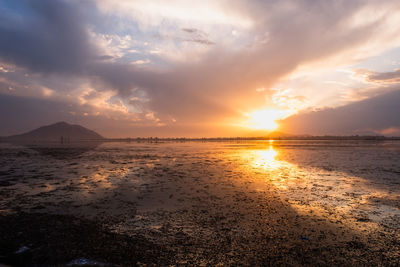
202,204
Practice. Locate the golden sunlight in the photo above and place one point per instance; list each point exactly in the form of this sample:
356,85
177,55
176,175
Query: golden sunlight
277,171
266,159
265,119
262,158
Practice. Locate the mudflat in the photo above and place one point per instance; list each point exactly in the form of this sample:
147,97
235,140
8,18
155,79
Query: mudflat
250,203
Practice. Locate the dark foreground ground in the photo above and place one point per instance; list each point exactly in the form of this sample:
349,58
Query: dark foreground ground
201,204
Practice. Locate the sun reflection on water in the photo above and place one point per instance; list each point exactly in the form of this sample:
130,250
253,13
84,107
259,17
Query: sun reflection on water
316,191
279,173
265,159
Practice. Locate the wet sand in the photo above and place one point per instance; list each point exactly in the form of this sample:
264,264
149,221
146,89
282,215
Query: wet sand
254,203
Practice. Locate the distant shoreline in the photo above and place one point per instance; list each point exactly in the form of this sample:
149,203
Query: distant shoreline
210,139
294,138
63,132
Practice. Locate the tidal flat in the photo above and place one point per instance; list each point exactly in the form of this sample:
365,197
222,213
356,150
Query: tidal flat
247,203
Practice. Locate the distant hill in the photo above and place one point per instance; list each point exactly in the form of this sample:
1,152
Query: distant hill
60,131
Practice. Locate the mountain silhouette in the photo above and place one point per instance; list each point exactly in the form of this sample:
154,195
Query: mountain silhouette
60,131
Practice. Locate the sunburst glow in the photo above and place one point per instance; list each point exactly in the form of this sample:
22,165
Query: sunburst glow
265,119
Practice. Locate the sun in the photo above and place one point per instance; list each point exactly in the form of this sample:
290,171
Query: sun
264,119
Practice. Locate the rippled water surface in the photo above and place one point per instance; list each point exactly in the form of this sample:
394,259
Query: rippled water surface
234,196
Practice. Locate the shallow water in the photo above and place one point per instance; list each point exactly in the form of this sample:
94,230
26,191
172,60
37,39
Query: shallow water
330,191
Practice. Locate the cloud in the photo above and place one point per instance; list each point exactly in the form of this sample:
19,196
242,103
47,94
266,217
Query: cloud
25,114
376,115
392,77
226,78
202,72
155,12
49,37
391,131
197,36
191,35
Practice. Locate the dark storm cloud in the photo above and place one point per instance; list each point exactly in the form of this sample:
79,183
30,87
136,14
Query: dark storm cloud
49,36
373,115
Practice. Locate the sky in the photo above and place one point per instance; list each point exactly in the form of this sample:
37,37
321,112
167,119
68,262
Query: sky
175,68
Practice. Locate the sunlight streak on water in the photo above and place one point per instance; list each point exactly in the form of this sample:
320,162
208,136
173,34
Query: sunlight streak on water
277,172
266,159
315,190
318,179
